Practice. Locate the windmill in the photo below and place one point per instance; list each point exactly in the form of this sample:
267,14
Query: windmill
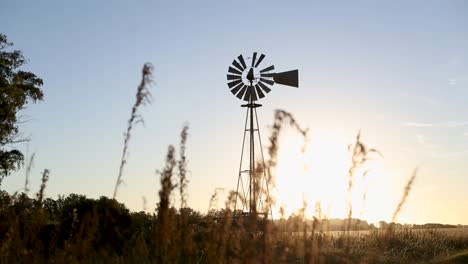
250,81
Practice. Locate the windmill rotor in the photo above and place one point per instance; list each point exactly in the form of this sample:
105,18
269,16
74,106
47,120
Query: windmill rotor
252,81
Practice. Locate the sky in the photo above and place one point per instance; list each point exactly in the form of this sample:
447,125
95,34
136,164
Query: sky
395,70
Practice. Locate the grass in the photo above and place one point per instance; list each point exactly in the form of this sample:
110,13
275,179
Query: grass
76,229
459,258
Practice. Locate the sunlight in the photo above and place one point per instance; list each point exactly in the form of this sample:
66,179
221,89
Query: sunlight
320,175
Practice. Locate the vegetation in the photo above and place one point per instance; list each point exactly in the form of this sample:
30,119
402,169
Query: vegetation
77,229
17,88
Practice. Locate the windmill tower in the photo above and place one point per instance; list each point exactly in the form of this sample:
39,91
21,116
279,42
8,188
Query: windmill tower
249,81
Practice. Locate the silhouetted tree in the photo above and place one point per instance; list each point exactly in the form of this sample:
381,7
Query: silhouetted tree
17,88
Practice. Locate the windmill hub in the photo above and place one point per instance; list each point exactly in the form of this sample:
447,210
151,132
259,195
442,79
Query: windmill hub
250,75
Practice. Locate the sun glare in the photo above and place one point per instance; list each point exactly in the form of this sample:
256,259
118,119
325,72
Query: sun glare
319,175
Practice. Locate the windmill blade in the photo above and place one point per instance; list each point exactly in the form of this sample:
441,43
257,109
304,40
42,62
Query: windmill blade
264,87
254,94
247,94
233,77
270,82
289,78
262,56
241,59
254,58
237,88
271,74
237,65
232,70
259,91
234,83
242,91
268,69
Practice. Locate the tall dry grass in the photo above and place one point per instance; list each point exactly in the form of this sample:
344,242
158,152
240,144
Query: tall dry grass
405,195
143,96
360,155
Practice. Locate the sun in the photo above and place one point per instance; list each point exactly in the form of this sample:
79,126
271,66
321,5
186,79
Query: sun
318,176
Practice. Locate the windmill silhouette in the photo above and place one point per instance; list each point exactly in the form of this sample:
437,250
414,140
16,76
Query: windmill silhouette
251,83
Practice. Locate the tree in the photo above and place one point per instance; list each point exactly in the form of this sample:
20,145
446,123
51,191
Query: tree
17,88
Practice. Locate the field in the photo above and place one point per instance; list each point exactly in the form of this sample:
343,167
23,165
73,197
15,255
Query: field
453,232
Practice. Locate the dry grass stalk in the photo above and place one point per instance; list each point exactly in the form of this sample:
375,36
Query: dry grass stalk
44,179
183,228
316,245
359,157
214,199
280,118
143,96
166,179
390,228
305,240
182,167
231,200
143,198
405,195
163,228
28,172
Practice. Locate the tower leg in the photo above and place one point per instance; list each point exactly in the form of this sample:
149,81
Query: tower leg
239,178
257,183
253,187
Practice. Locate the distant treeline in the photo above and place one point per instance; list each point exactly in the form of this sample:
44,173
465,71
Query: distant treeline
74,207
332,224
436,225
336,224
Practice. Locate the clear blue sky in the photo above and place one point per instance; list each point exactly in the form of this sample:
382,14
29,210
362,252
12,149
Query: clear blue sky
395,69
